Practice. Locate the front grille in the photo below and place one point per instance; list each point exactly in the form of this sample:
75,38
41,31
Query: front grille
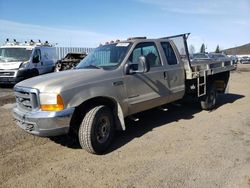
7,73
227,63
26,98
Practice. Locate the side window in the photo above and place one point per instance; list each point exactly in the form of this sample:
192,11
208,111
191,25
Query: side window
149,51
169,53
37,52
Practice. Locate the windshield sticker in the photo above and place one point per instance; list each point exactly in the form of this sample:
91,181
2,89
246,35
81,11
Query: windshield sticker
124,44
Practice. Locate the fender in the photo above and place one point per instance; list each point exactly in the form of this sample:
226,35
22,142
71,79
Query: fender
105,100
120,116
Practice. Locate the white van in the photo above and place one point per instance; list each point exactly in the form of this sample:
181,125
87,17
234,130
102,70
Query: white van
21,61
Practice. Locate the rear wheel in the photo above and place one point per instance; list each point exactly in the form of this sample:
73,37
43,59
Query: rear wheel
208,102
97,130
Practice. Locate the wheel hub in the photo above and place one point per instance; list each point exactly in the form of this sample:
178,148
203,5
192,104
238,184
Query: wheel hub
103,130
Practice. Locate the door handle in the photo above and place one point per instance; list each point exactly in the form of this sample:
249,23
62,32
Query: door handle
165,75
117,83
175,78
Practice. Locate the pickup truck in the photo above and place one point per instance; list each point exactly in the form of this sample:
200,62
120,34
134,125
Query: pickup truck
114,82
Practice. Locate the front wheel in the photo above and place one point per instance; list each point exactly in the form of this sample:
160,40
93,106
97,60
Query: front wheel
208,102
97,129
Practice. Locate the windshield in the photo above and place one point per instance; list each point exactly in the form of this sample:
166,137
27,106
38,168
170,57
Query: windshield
107,57
14,54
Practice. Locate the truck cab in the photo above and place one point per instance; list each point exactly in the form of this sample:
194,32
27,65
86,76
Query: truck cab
21,61
116,81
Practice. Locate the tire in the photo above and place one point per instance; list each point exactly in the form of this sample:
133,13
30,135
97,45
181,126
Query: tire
35,73
208,102
58,67
32,73
97,130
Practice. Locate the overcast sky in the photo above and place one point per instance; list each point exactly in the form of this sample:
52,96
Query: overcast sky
82,23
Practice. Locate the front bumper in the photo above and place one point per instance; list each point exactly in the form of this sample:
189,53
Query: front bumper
10,80
8,76
44,123
17,75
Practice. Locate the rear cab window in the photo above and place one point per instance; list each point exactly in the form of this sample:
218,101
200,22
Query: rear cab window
169,53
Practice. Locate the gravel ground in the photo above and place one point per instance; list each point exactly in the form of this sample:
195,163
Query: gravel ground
183,147
6,95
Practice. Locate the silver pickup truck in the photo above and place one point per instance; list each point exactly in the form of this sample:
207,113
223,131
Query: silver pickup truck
114,82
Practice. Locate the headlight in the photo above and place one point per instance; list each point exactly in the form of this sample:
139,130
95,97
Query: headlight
51,102
24,64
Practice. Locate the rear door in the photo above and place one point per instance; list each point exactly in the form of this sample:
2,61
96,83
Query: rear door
47,59
174,71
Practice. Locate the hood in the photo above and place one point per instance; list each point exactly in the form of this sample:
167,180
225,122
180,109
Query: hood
58,81
10,65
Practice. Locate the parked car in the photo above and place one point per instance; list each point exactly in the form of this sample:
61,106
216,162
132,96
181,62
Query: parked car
200,57
245,59
219,57
234,58
70,61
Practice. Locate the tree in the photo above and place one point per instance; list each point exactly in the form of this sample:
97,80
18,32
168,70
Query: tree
217,50
191,49
203,48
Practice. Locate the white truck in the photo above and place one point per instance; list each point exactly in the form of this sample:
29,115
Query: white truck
116,81
19,61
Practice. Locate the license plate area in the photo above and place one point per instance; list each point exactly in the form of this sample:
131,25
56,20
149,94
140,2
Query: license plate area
23,123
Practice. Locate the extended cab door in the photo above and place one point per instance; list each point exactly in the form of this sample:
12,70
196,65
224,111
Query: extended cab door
146,90
174,70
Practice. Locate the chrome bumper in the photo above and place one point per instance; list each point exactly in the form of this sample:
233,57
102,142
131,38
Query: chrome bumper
44,123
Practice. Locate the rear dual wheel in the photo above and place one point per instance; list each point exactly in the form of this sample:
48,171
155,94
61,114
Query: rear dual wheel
208,102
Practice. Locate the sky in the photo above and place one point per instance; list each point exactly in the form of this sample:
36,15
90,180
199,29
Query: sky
87,23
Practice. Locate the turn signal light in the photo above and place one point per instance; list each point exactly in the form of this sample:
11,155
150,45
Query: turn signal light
54,107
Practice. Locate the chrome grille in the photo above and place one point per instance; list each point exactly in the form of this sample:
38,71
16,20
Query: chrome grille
26,98
7,73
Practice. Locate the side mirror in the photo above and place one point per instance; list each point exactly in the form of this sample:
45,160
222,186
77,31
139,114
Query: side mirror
141,67
36,59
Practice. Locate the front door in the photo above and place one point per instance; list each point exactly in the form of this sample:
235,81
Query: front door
38,65
146,90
